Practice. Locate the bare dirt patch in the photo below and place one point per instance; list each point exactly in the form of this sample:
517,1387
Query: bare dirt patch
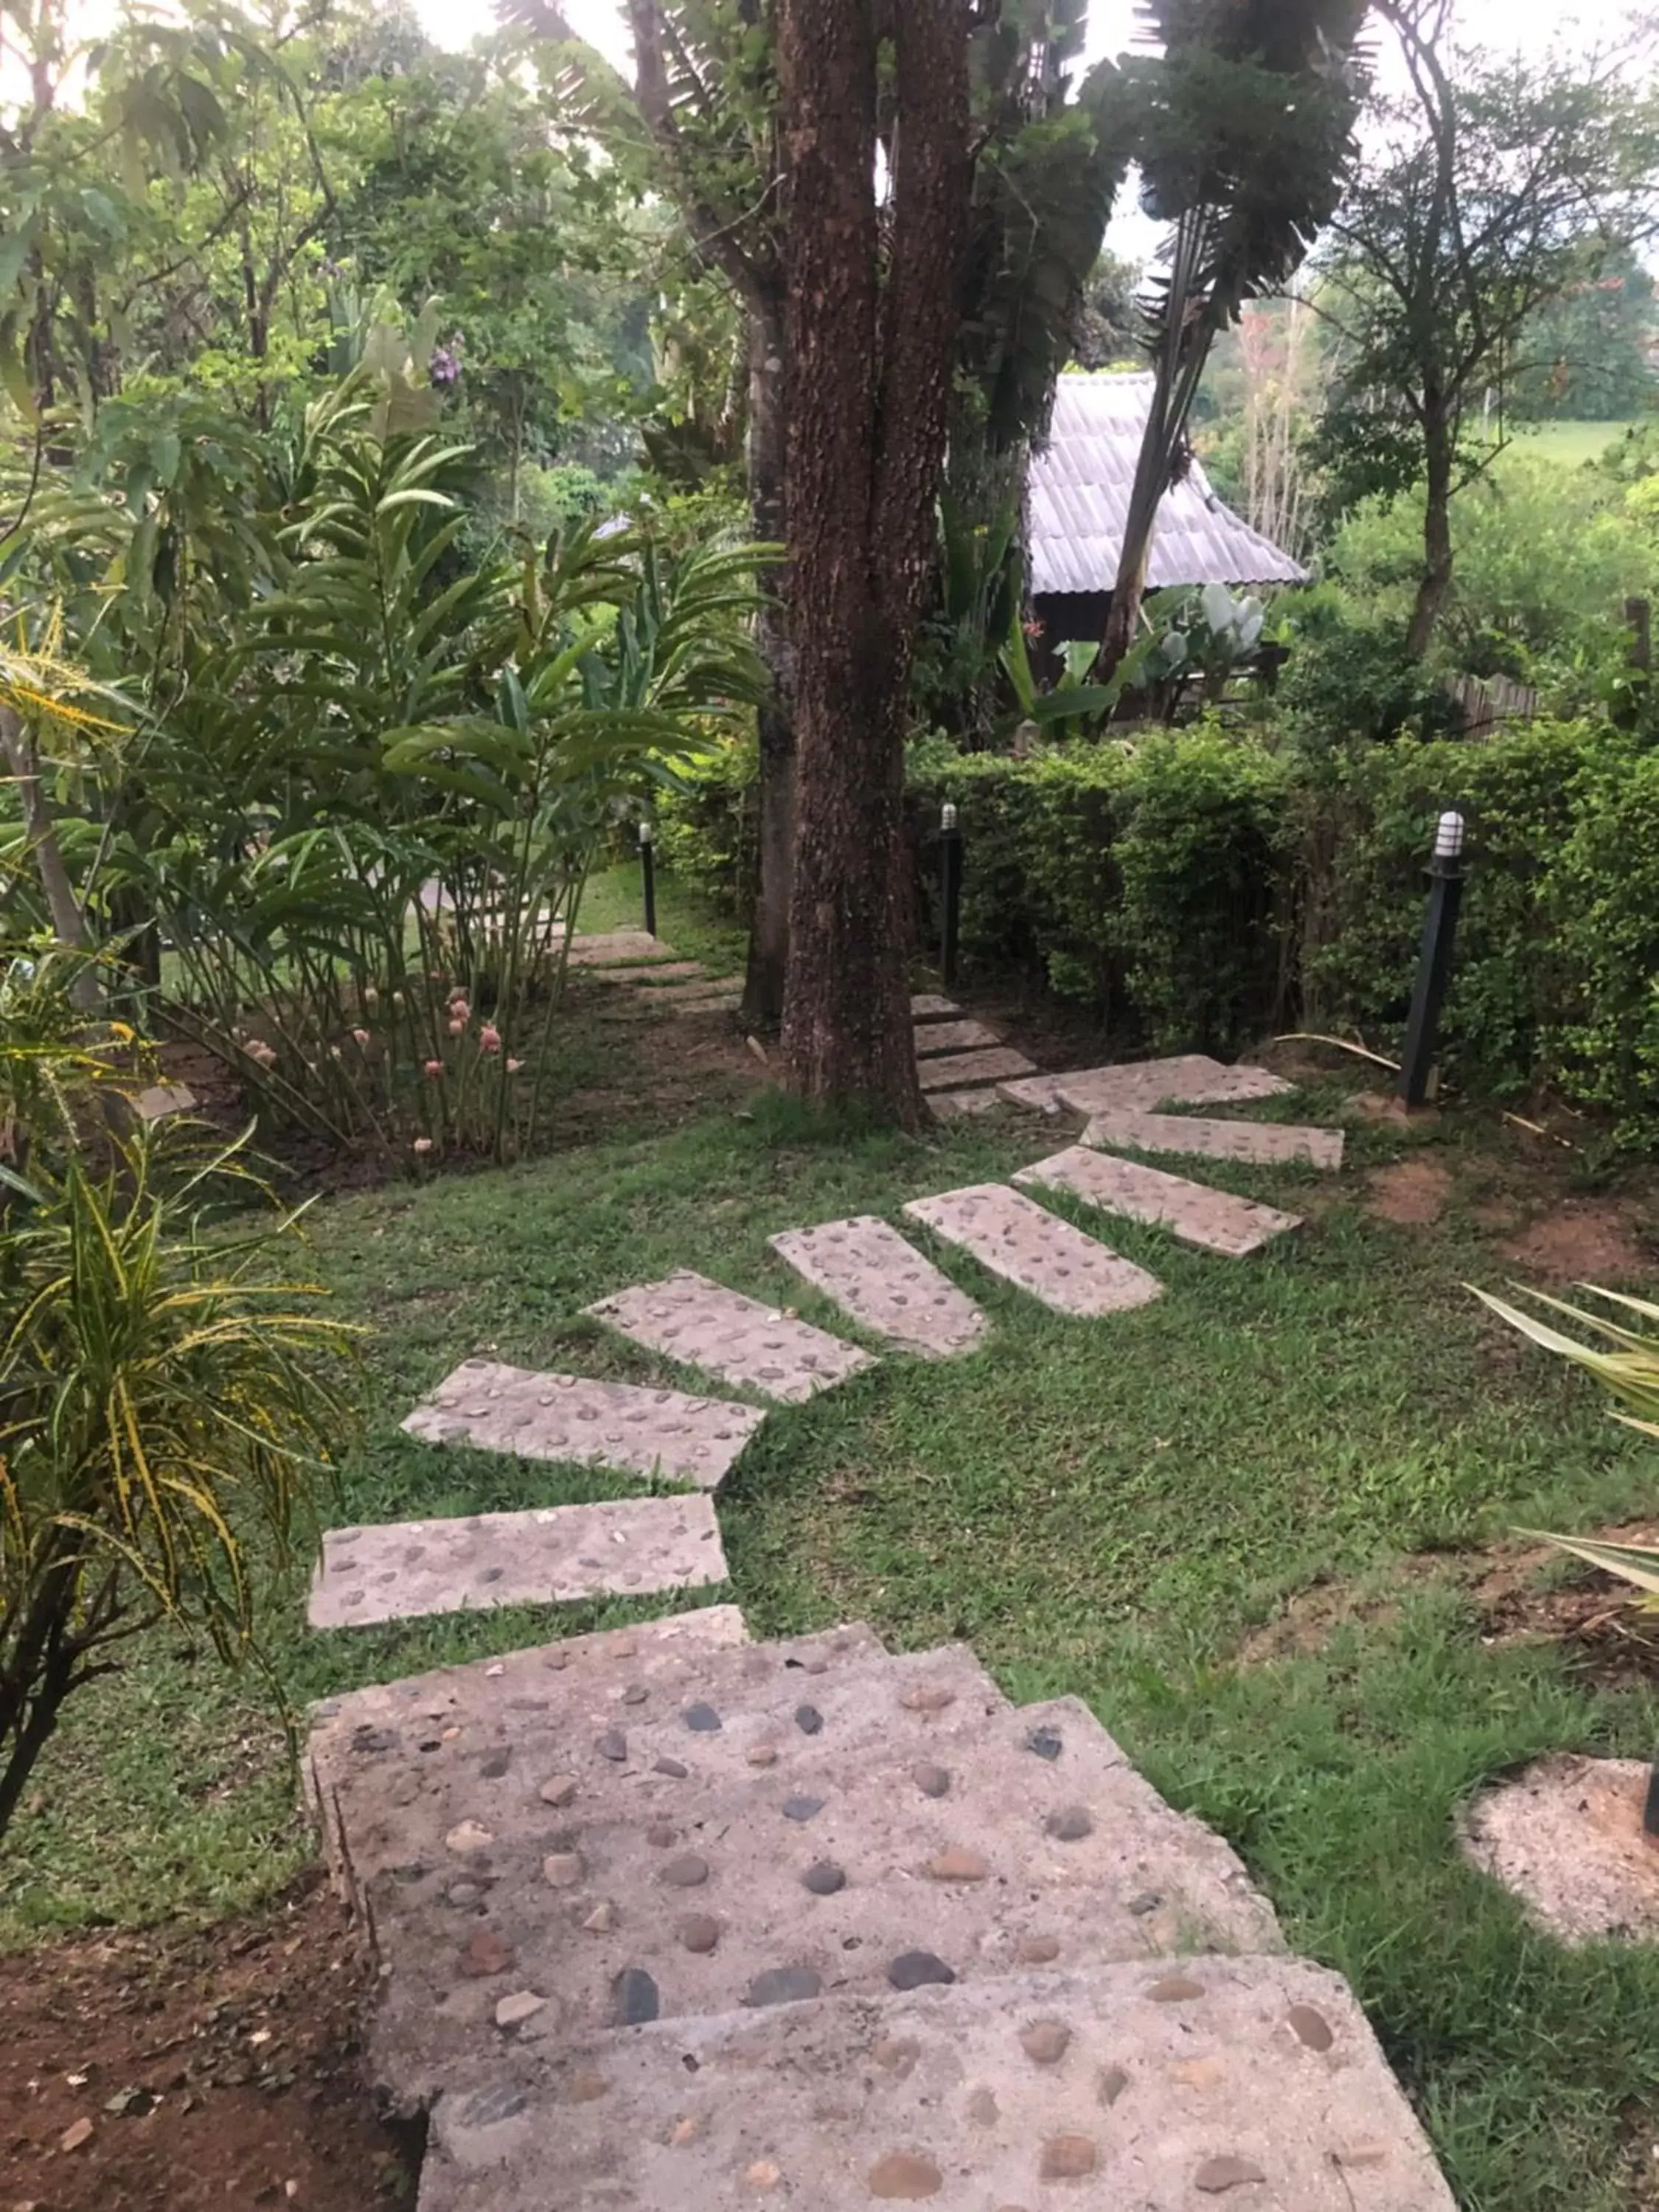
1584,1240
1521,1594
1413,1193
193,2071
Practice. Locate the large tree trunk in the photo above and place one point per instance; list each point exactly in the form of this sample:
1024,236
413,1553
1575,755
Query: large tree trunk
1437,576
869,386
768,932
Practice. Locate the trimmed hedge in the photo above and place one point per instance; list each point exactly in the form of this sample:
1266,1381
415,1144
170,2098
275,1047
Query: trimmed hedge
1200,887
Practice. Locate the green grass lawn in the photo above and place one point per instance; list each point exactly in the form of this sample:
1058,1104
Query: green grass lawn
1102,1507
1571,443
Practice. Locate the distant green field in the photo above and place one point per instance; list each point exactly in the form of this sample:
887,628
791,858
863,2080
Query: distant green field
1570,443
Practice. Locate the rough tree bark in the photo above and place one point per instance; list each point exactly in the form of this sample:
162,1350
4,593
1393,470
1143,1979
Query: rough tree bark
1436,579
768,932
743,249
870,369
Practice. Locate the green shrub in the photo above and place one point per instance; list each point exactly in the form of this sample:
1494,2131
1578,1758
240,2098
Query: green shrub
707,823
1601,897
1195,887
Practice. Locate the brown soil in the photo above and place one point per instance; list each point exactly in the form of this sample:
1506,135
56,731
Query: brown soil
1516,1598
1412,1192
1584,1240
234,2052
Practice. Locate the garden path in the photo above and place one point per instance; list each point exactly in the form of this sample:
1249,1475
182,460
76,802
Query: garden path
688,1921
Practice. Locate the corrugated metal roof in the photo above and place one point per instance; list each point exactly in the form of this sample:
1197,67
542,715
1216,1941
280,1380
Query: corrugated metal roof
1079,503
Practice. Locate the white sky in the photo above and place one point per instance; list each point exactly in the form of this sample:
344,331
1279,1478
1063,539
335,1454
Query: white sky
1503,26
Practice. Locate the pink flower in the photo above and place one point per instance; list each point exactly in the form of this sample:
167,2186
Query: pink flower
460,1009
513,1065
455,1027
361,1036
371,996
489,1038
434,1067
422,1145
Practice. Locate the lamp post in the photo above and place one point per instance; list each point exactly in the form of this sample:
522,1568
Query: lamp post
1434,962
950,870
648,869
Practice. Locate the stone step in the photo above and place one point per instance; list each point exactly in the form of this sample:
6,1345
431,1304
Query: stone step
953,1105
1213,1219
686,1318
1191,1079
954,1070
567,1417
1248,2083
823,1827
929,1006
953,1036
554,1554
612,945
1023,1243
886,1285
1266,1144
394,1765
661,972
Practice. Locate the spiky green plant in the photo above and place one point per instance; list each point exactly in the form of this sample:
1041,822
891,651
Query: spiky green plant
1625,1361
168,1403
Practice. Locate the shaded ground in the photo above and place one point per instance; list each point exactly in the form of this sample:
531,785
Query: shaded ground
212,2069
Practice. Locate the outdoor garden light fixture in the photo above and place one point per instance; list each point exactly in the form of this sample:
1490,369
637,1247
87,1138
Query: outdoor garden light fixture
1434,962
1448,838
648,869
950,884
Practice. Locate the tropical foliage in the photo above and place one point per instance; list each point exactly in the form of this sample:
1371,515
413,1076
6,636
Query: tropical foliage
169,1397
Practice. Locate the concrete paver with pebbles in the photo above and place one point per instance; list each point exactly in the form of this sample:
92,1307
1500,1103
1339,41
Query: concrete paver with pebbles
1254,2082
653,1824
687,1317
1190,1078
663,974
953,1070
929,1006
1022,1242
1194,1212
953,1036
568,1419
952,1105
551,1554
886,1285
1268,1143
614,945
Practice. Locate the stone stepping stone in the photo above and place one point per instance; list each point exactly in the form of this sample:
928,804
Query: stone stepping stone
159,1101
1268,1144
953,1105
985,1837
885,1284
929,1006
627,947
654,1433
1194,1212
1025,1244
1191,1079
953,1036
1236,2082
658,975
955,1070
687,1317
554,1554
